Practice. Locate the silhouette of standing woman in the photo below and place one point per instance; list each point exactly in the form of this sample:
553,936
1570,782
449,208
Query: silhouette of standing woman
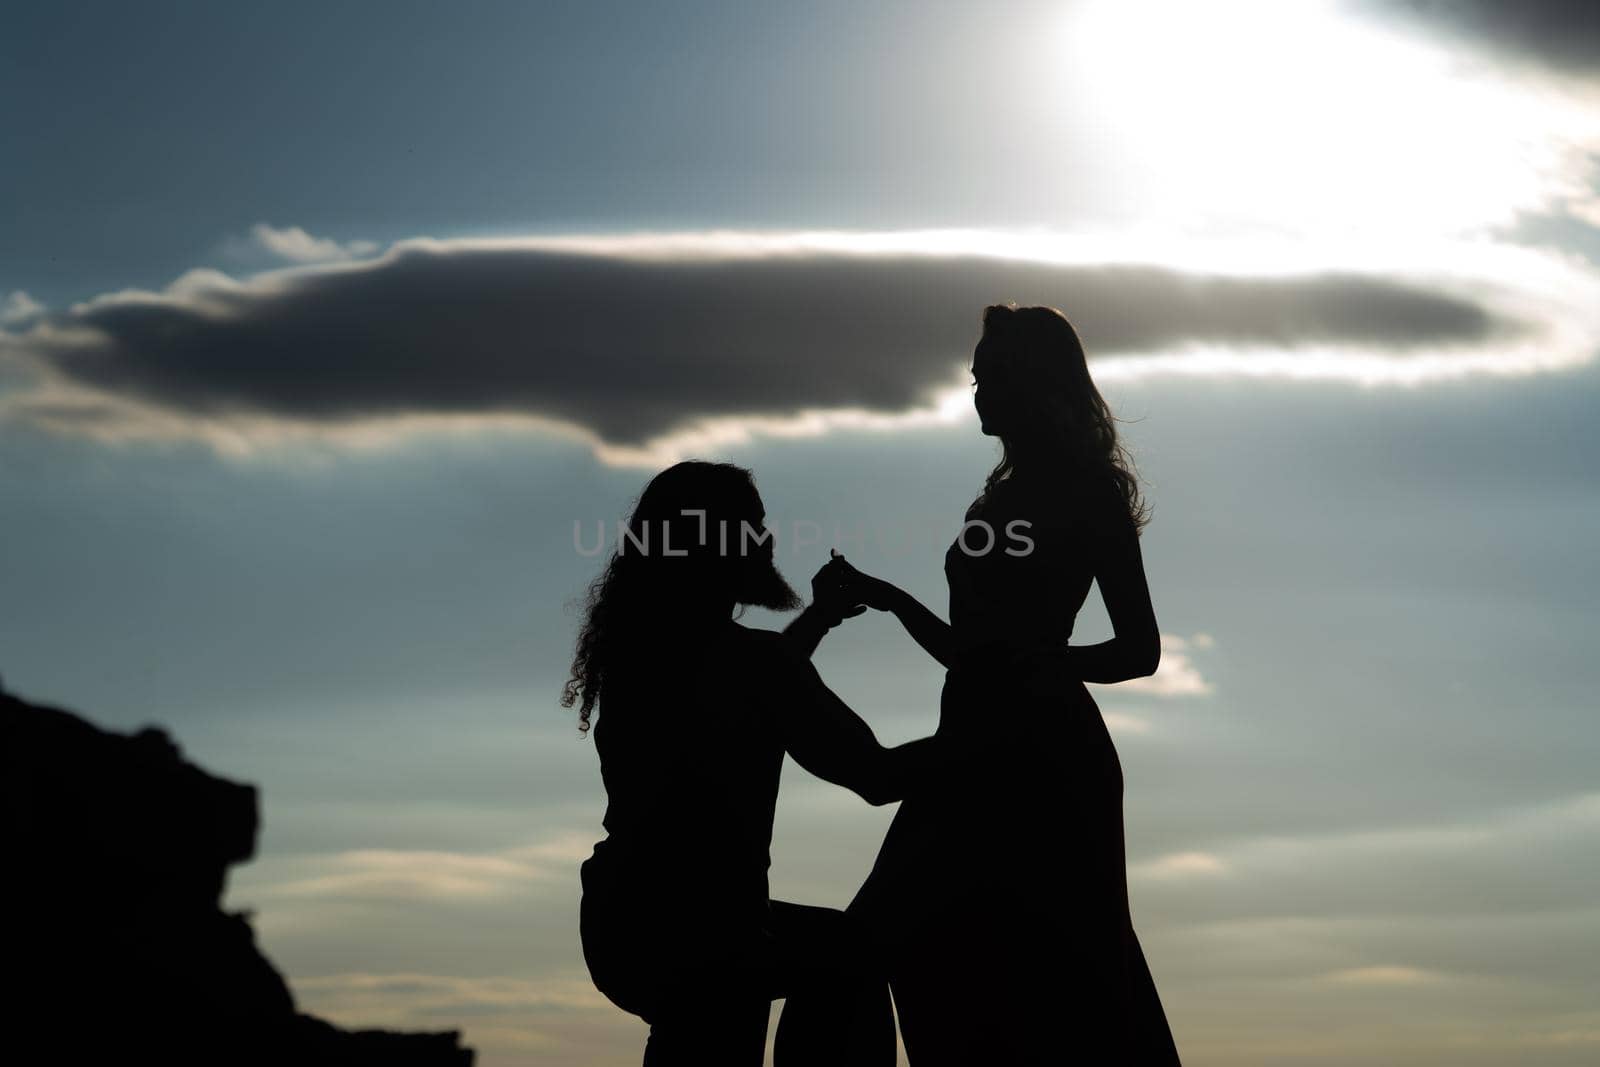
1000,894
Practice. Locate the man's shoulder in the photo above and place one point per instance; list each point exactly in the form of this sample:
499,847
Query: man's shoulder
767,664
755,637
766,648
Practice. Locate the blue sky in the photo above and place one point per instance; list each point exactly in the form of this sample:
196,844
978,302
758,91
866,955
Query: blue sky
321,326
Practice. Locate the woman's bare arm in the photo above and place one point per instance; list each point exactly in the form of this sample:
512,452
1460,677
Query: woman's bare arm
925,628
1135,649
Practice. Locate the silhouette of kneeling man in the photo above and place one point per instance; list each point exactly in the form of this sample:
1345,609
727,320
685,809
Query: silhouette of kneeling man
696,714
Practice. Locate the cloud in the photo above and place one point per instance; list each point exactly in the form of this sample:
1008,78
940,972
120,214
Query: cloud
1177,676
1558,34
298,246
1120,722
18,308
645,346
1180,865
409,875
1382,975
1569,1036
1529,860
410,996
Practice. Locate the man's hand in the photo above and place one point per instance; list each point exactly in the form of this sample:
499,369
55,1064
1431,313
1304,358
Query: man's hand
830,605
831,598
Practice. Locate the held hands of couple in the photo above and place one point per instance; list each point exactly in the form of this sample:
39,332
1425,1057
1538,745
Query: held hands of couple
840,592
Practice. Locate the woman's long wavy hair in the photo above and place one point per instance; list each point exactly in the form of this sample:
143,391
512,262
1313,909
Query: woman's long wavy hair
633,607
1060,420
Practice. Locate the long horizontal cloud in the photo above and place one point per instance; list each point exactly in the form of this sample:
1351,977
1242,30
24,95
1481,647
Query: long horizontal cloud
633,342
391,874
1477,867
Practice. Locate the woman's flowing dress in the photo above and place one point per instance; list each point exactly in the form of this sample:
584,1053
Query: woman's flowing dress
1001,897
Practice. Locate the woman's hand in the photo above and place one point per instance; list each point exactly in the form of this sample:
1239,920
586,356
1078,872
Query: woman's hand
856,587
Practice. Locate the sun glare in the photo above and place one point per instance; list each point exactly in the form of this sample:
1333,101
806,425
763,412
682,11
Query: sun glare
1291,117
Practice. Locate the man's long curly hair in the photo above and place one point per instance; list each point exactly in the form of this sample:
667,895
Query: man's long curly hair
634,607
1064,421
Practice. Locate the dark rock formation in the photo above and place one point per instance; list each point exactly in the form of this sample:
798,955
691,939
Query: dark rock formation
117,850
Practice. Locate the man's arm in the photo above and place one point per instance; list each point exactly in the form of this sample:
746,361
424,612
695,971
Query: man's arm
828,608
832,742
805,630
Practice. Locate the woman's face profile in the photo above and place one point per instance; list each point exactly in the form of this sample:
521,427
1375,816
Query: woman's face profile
988,394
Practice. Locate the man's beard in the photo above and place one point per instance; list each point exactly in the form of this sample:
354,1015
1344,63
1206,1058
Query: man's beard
763,587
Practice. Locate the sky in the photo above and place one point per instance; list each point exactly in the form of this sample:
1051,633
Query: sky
331,335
